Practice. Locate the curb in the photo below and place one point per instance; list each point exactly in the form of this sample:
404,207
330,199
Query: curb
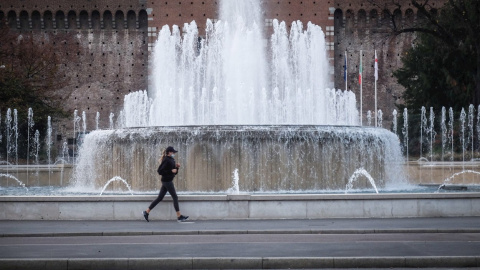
241,262
220,232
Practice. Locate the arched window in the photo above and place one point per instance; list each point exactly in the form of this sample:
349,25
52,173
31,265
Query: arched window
142,19
60,19
2,16
373,18
131,20
72,20
84,19
386,18
96,20
338,19
421,18
338,26
338,45
362,19
361,23
48,20
36,20
409,17
24,20
349,21
107,20
397,16
12,19
119,20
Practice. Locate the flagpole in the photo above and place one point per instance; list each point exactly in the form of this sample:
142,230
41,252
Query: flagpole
376,112
361,84
376,78
346,72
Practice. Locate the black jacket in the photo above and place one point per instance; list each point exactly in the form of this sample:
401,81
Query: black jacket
165,169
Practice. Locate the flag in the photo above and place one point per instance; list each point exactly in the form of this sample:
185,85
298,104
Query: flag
360,70
376,66
345,68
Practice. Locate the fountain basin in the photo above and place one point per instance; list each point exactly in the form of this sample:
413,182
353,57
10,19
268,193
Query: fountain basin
37,175
438,172
268,158
243,206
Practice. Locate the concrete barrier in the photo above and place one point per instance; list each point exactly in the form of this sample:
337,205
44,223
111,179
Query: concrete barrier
244,206
242,263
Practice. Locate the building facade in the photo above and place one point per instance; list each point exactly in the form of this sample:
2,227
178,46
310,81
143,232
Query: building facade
116,38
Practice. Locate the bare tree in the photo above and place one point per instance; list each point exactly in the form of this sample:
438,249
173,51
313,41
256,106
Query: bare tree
33,70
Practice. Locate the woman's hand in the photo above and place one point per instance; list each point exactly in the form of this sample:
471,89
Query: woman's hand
178,165
174,170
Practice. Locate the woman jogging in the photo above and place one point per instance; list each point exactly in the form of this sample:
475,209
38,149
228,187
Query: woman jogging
167,169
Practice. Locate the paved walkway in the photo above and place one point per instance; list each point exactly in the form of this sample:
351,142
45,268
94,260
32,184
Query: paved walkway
241,244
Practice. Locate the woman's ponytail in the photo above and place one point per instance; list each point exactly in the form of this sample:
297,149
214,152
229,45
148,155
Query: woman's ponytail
164,154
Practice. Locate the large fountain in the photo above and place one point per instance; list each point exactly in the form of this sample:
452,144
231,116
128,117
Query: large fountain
234,101
259,136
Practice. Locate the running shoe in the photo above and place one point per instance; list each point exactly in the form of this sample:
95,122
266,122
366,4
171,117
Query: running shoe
182,218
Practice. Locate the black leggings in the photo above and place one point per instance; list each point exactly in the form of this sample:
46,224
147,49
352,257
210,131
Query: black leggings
166,186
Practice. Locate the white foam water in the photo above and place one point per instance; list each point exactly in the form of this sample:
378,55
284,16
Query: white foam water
234,76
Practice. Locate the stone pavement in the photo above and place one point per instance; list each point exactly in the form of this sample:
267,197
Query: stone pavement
241,244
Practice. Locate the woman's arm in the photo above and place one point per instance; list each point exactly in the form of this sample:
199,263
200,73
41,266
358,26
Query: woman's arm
167,167
161,169
175,167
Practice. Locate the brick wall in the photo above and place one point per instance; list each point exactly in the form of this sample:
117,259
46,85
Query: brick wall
113,58
116,36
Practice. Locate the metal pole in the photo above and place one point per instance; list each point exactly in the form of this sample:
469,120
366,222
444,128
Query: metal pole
346,71
376,104
376,78
361,94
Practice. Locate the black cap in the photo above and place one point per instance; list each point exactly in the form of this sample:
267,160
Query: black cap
170,149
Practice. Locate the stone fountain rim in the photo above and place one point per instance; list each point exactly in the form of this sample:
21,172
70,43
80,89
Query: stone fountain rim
246,197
